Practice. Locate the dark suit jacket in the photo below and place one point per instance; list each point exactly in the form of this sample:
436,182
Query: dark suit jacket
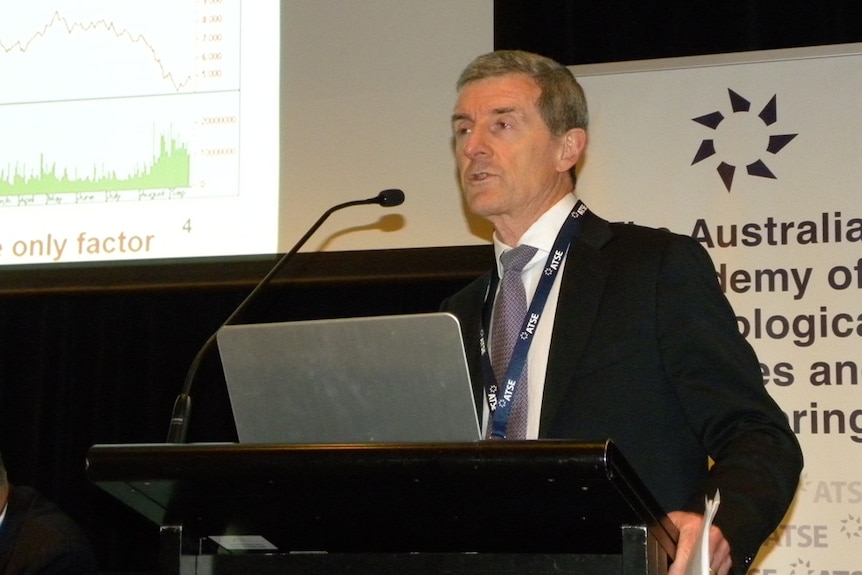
36,537
646,351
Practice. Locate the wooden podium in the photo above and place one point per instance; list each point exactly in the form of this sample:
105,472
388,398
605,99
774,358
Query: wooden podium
501,507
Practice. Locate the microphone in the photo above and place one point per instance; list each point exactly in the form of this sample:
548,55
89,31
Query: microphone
182,405
386,198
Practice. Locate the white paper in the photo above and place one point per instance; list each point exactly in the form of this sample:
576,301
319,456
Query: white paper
699,563
243,542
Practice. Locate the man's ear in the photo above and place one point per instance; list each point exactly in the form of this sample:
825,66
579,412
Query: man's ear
573,143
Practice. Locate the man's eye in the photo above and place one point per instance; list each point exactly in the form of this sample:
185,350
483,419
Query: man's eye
462,131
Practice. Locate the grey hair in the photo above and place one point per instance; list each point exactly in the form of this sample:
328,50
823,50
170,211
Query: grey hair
562,103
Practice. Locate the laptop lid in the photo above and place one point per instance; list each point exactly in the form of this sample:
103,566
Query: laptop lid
382,379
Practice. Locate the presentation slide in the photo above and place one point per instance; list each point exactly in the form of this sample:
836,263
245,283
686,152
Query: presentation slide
138,129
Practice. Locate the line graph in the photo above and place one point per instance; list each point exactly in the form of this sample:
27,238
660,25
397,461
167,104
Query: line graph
61,22
97,49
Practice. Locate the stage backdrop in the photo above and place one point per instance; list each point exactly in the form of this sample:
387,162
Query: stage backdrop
756,155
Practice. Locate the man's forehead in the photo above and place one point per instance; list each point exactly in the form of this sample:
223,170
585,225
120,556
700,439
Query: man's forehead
511,93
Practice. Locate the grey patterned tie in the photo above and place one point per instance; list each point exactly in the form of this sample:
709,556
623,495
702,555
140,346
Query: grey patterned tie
510,307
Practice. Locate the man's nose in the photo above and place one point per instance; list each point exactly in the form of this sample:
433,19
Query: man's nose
475,145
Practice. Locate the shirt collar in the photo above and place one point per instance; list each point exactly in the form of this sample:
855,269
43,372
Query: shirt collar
3,514
542,233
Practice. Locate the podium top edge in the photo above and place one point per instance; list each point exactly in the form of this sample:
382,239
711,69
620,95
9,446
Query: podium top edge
153,461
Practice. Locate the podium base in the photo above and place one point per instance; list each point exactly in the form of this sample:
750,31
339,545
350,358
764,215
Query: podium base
641,556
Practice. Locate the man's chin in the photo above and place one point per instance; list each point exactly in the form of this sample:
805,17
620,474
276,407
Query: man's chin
482,202
484,210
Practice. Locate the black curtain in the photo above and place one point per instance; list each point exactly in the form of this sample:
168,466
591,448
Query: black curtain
587,31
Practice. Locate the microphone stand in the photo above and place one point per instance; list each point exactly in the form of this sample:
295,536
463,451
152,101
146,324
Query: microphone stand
178,428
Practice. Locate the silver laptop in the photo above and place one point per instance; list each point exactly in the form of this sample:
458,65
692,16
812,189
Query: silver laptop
383,379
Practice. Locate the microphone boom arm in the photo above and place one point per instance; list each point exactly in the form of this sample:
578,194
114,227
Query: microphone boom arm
178,428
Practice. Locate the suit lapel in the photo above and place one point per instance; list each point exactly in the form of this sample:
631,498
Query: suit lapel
582,284
468,308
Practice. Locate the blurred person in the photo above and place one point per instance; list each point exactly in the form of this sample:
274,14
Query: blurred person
36,537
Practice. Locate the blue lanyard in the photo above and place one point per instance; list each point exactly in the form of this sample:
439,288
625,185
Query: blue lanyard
500,401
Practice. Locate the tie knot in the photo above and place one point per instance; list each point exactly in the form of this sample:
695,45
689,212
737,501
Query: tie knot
516,258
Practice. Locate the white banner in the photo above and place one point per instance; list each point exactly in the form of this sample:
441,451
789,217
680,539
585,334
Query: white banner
757,156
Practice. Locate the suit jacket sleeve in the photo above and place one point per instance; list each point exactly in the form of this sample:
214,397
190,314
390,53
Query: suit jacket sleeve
717,377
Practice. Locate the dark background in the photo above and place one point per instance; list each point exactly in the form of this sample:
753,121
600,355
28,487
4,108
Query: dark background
102,361
591,31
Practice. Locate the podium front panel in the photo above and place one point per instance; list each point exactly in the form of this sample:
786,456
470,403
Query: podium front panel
482,497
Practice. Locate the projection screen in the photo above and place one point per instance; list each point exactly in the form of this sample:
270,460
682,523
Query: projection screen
163,130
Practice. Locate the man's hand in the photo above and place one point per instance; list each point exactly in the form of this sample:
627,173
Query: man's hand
690,525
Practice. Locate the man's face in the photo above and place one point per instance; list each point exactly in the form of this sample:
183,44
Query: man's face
511,168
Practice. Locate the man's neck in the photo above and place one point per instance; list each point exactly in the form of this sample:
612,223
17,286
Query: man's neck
509,231
511,227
